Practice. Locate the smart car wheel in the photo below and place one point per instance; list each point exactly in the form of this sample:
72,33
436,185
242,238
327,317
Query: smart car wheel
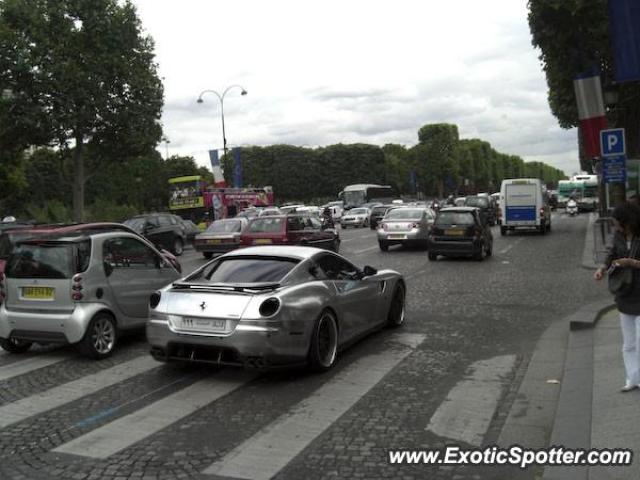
178,246
323,349
100,338
14,345
395,318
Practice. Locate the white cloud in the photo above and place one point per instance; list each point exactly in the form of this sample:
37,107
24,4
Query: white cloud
322,72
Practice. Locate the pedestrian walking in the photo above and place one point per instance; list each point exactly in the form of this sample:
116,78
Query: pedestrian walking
623,268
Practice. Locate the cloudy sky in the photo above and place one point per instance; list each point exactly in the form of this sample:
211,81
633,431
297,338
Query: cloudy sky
325,72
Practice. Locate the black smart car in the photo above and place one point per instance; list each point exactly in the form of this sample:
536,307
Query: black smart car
460,231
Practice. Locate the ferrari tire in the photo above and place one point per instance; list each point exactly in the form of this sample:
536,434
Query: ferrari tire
14,345
323,348
395,317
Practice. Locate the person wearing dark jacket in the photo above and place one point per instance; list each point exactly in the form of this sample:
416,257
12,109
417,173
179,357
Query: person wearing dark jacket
625,253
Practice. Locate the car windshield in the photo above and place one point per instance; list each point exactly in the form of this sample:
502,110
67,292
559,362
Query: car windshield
266,225
225,226
455,218
354,198
379,210
477,202
40,261
404,214
136,224
245,270
359,211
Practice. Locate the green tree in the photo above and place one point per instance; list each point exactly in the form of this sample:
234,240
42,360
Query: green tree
440,140
86,78
573,37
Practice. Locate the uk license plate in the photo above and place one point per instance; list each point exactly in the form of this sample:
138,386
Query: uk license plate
203,324
214,242
262,241
37,293
454,232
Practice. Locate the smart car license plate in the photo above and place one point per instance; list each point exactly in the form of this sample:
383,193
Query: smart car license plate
262,241
203,324
454,232
37,293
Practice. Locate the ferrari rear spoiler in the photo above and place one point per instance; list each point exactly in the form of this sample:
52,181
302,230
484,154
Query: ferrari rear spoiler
230,287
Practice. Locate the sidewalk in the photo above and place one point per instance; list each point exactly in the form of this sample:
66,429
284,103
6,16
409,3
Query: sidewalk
592,412
615,416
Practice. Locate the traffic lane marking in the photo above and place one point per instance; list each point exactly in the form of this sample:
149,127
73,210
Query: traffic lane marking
466,413
265,454
17,411
510,246
28,365
125,431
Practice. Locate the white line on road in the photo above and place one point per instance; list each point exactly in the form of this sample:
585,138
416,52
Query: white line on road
509,247
125,431
54,397
466,413
271,449
28,365
365,250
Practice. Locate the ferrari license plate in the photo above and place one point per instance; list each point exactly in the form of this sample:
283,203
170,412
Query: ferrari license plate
454,232
262,241
37,293
203,324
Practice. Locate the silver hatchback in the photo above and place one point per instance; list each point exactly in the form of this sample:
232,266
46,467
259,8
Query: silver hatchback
82,290
405,225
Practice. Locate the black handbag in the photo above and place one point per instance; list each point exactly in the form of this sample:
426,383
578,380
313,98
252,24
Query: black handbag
621,278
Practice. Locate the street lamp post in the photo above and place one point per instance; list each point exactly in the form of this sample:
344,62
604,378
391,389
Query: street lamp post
221,98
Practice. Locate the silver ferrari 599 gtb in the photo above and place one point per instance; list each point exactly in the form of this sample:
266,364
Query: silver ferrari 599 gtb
265,307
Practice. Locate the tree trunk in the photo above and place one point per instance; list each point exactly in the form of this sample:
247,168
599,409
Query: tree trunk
78,181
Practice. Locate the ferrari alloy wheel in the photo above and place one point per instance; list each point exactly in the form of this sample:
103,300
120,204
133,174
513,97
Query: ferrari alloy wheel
323,350
395,318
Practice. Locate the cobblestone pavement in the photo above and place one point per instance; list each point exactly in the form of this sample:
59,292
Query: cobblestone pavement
466,311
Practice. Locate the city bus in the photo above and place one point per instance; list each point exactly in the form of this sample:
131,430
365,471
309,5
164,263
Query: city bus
590,195
358,194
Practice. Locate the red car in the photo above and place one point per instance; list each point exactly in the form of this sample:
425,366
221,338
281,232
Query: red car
290,230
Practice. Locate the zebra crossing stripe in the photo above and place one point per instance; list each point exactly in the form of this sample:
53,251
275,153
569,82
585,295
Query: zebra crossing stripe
466,413
57,396
270,450
28,365
125,431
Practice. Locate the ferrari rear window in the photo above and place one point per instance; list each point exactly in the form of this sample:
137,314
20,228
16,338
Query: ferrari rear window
245,270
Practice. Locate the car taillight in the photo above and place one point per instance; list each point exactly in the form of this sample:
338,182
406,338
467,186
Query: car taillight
2,290
542,212
76,288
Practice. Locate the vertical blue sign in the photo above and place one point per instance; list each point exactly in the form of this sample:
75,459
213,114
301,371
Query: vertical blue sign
237,170
213,157
624,17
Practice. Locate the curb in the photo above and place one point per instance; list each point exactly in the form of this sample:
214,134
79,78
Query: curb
587,254
572,423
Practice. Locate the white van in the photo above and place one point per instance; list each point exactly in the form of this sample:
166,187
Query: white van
523,204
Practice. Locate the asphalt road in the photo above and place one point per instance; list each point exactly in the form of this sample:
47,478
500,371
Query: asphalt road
444,378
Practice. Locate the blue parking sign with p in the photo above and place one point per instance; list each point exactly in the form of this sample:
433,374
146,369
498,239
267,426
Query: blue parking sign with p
612,142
